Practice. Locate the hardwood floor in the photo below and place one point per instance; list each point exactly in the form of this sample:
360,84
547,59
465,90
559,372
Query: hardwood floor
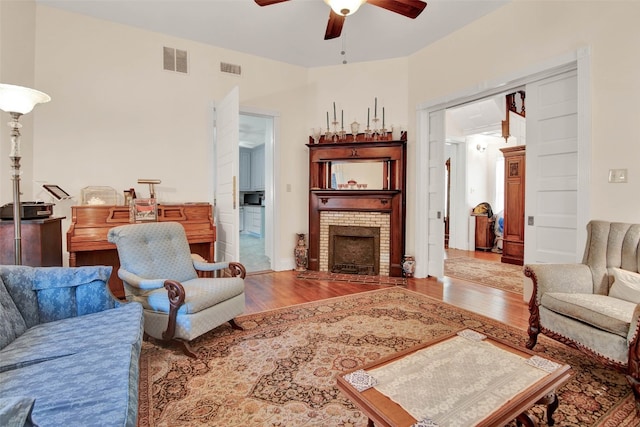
267,291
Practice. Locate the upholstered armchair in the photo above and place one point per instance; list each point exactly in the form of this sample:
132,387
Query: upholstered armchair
593,306
159,271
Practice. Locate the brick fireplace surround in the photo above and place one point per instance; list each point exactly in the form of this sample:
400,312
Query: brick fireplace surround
355,219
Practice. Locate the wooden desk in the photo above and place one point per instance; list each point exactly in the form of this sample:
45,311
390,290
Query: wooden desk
41,241
87,236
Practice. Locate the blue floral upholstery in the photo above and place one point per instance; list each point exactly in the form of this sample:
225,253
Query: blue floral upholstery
154,252
58,324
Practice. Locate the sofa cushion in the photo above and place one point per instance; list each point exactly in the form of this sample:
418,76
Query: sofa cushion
12,324
67,292
18,280
601,311
122,325
92,388
626,285
16,411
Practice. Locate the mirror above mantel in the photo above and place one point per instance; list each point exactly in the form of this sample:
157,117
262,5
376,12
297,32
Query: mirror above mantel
362,175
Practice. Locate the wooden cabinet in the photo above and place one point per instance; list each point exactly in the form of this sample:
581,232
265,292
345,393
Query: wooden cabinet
41,241
251,175
514,187
245,170
87,236
485,235
257,168
253,220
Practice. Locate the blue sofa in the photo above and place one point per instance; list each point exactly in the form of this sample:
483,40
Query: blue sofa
69,351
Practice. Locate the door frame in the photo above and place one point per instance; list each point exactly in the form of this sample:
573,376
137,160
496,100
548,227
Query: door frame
271,163
579,60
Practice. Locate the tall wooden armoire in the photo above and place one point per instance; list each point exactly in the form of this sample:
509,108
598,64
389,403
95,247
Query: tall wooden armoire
514,176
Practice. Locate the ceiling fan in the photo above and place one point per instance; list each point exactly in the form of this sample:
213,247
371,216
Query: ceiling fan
340,9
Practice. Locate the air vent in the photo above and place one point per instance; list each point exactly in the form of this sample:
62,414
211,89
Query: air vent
230,68
175,60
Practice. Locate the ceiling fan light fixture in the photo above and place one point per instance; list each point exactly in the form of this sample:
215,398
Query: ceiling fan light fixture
344,7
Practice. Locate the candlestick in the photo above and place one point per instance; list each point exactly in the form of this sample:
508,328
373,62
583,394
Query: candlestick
375,108
327,120
368,116
342,119
334,111
383,117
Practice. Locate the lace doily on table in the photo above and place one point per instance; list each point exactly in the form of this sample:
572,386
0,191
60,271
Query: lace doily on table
425,423
360,380
472,335
544,364
462,380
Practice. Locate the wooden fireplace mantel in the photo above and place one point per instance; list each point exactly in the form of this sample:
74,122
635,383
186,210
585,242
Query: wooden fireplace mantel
390,199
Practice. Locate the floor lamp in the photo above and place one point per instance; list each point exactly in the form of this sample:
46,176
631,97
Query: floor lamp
18,100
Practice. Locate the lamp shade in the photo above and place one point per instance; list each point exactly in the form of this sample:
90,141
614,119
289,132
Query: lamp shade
344,7
19,99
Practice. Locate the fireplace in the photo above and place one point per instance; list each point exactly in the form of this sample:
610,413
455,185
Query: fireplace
381,205
354,250
359,241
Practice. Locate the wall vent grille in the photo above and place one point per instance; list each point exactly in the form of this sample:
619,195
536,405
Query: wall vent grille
175,60
230,68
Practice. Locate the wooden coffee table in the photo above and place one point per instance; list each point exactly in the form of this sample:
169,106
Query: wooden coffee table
383,411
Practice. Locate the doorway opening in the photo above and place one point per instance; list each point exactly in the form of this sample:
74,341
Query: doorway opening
255,138
474,172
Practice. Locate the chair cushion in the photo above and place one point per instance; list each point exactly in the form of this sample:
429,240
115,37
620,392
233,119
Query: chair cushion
601,311
626,285
201,293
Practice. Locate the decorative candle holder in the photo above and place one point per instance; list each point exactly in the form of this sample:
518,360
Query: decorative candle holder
367,134
376,131
383,133
335,131
342,135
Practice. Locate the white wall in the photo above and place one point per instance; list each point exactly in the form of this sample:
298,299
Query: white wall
116,116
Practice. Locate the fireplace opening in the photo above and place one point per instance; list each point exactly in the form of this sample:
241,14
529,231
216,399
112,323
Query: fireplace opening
354,250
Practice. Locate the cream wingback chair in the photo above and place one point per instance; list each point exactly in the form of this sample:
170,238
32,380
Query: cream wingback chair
159,271
594,306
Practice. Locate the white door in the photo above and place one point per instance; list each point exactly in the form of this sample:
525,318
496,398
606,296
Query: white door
551,189
227,130
435,198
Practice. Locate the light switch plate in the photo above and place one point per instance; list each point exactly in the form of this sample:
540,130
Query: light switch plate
617,175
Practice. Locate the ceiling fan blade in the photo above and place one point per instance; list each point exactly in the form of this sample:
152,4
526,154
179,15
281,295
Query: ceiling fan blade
409,8
334,26
268,2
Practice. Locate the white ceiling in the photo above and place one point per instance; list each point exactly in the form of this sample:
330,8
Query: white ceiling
290,32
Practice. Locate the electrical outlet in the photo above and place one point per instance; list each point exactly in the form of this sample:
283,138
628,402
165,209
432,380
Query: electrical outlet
617,175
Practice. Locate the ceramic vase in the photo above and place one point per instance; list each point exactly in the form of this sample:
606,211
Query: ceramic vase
300,252
408,266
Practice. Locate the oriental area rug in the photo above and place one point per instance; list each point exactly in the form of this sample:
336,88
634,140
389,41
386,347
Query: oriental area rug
507,277
281,369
